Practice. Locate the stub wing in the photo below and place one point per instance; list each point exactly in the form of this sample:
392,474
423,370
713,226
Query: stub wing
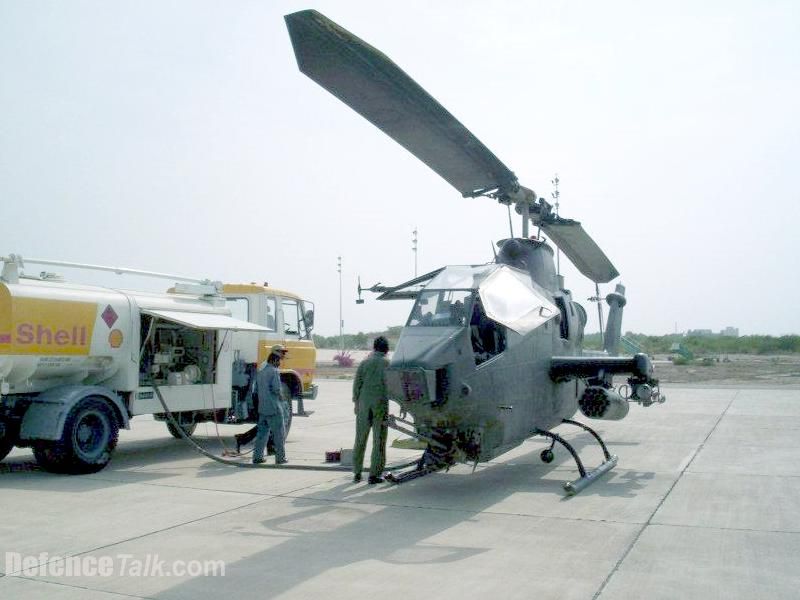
408,290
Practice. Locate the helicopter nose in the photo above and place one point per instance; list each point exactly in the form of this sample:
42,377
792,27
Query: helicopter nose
420,387
414,386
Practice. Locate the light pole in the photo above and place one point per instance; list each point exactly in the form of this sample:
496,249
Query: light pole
414,249
341,321
556,194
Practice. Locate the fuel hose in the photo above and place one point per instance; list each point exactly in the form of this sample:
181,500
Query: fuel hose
235,463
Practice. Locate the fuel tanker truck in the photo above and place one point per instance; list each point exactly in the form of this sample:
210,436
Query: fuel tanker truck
77,362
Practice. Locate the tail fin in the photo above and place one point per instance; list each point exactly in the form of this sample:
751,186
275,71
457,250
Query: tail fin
616,301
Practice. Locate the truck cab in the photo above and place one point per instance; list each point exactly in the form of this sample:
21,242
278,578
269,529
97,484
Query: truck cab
288,320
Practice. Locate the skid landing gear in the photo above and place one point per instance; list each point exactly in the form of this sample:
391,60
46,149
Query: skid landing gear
573,487
431,461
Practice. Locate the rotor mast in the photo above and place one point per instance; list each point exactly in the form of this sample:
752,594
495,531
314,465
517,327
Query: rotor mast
523,199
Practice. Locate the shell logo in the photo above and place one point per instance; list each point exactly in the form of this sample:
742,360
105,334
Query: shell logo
115,338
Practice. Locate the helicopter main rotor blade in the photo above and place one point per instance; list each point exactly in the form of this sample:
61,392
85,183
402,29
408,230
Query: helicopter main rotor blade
371,84
580,248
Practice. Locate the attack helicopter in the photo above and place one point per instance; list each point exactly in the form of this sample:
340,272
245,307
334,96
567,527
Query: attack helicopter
491,354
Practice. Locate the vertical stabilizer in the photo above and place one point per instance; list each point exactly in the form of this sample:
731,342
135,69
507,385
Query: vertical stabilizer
616,301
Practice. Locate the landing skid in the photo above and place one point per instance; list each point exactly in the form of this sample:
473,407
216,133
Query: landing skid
398,478
430,462
586,478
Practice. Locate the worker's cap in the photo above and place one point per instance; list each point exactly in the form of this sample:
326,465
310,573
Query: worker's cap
278,349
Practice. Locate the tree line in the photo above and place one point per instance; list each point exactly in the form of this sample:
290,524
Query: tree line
357,341
708,344
651,344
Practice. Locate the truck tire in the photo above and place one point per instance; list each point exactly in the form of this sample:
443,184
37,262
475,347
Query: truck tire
8,438
188,429
6,444
87,442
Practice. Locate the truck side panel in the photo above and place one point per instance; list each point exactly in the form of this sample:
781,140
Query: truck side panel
45,418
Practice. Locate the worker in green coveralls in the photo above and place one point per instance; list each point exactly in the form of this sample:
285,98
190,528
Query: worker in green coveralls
371,405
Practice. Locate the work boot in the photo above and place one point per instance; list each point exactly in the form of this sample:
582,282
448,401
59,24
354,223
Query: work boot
357,478
374,479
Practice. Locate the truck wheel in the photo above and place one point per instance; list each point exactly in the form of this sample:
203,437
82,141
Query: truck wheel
6,444
8,438
89,437
188,429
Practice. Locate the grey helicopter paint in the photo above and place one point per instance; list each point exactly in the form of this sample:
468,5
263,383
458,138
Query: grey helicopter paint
491,354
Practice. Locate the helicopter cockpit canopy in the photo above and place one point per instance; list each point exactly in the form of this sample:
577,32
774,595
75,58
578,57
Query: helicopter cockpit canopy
507,295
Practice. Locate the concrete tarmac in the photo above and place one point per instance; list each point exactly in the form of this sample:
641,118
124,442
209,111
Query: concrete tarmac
703,504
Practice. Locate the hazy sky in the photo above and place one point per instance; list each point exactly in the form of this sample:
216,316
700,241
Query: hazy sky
179,136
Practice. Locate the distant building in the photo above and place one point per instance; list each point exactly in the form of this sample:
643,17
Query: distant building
700,332
727,332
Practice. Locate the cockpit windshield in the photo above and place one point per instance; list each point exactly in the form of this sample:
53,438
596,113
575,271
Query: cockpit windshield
441,308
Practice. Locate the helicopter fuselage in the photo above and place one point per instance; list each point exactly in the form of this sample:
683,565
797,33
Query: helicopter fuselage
472,366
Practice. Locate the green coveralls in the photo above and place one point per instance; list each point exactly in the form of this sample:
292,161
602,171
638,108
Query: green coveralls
372,406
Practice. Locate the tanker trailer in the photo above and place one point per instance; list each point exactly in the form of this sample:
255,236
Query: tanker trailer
77,362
